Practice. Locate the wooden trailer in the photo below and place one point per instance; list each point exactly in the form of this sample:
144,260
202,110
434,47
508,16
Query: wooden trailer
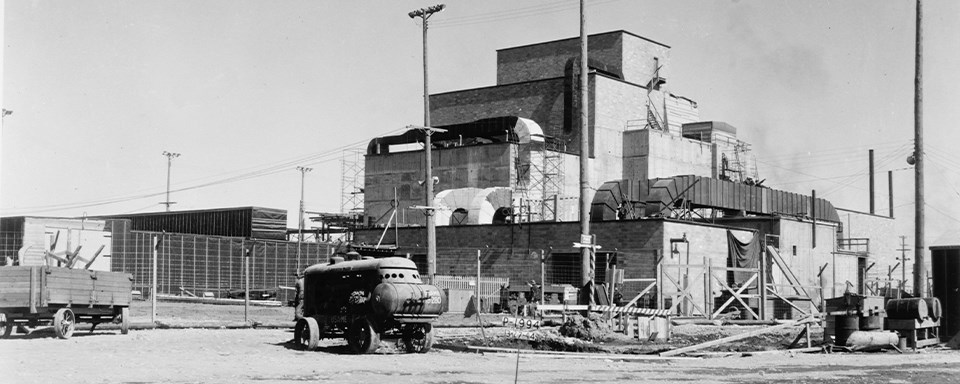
33,296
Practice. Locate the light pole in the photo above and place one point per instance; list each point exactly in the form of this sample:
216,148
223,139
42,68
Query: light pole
303,175
170,156
424,14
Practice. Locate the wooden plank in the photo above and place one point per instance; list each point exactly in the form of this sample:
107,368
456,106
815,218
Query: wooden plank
787,272
85,285
18,299
14,284
14,290
736,337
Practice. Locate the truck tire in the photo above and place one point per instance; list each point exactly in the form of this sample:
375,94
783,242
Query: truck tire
418,338
307,333
124,320
63,323
362,336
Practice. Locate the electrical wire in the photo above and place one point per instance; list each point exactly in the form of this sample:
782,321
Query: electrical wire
511,14
261,171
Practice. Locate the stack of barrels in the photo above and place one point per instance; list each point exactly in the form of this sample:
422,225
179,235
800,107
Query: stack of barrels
914,308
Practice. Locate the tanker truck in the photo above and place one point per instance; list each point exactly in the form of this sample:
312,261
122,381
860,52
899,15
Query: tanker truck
366,300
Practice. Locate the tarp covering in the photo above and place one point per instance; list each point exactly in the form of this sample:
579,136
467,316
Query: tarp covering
742,255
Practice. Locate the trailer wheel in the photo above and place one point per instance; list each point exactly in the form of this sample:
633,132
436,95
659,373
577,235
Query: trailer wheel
418,338
63,323
307,333
124,320
7,330
362,336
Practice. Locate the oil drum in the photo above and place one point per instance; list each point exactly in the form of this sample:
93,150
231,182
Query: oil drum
845,326
934,310
906,309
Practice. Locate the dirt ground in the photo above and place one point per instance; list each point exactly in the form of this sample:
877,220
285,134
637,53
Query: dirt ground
266,355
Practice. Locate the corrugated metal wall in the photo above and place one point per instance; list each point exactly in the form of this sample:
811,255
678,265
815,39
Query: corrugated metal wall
715,193
254,222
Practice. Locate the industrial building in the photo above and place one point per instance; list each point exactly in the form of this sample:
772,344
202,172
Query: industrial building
668,189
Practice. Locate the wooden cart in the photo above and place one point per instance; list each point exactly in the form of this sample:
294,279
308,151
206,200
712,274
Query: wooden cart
43,295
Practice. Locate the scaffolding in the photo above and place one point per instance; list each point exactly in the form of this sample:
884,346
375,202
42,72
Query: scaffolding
546,178
351,180
736,162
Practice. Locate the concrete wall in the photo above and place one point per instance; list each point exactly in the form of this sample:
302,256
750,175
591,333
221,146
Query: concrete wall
650,154
808,260
884,242
505,250
541,101
480,166
705,243
615,52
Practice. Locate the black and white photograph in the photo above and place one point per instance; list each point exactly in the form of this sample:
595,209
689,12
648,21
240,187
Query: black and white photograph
536,191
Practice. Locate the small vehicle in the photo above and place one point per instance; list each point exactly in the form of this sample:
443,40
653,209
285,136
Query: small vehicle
33,296
367,300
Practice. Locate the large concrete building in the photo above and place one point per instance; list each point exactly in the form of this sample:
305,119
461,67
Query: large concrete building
522,135
667,187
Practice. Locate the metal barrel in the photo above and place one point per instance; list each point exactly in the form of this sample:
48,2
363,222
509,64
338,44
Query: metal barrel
845,326
906,309
934,310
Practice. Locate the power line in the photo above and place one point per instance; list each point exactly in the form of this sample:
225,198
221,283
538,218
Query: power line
265,170
512,14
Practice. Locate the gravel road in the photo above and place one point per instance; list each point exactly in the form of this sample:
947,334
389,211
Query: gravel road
264,356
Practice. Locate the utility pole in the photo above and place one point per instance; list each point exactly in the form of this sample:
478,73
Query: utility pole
919,266
424,14
872,193
903,262
587,255
170,156
303,175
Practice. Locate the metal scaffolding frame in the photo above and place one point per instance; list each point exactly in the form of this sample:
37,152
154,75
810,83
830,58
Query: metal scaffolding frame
351,180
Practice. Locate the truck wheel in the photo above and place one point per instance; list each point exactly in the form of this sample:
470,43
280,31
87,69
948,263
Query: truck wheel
418,338
307,333
124,320
362,336
63,323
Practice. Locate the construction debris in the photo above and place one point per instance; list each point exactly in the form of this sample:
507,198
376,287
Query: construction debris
740,336
590,328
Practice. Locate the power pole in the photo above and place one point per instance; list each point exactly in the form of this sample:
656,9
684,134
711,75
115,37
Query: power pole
903,262
424,14
303,176
919,266
586,253
170,156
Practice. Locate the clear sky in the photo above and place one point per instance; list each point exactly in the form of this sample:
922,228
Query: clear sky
246,90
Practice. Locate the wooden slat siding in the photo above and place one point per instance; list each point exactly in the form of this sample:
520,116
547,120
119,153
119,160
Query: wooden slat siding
19,298
86,298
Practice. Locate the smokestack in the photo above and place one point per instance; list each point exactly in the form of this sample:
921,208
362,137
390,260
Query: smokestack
872,194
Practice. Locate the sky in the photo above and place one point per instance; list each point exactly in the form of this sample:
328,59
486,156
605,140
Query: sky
247,90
